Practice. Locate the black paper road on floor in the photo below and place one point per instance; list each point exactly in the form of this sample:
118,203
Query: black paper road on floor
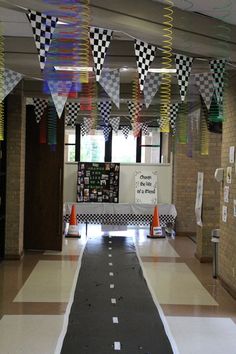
113,309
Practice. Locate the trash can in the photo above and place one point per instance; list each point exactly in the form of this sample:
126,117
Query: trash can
215,237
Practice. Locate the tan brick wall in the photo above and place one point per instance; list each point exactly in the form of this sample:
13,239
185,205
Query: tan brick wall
227,246
15,174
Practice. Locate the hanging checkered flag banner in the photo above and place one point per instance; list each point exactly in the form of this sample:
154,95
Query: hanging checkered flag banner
183,69
100,40
110,81
106,132
174,109
217,67
105,111
145,129
145,54
39,107
134,110
136,128
115,123
151,86
10,80
125,131
85,126
205,83
43,27
59,92
72,111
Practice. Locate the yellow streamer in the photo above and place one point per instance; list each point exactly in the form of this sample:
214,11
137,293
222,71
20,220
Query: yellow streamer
204,139
182,124
165,90
135,97
1,84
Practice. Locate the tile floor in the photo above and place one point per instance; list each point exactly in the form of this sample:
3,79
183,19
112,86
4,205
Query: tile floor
34,296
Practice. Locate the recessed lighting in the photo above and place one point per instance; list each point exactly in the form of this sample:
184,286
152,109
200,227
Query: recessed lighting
74,68
163,71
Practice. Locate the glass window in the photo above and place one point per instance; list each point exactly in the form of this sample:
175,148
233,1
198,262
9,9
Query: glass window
150,147
70,145
123,150
92,147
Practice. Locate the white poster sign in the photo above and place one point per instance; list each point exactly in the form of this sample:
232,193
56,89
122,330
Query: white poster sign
235,208
226,194
199,194
146,187
224,213
231,154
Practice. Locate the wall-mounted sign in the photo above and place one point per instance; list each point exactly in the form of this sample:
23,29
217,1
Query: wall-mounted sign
198,205
231,154
146,187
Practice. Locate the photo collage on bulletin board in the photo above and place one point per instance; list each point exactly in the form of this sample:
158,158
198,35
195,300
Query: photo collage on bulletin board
98,182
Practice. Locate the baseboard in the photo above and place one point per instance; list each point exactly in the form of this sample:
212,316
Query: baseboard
228,288
14,257
185,234
203,259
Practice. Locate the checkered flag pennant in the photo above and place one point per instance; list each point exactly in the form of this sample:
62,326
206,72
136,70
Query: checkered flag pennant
145,129
43,27
106,132
110,81
145,54
72,111
125,131
100,40
39,107
85,126
217,67
134,109
105,111
10,80
174,109
151,86
59,92
115,123
205,83
136,128
183,68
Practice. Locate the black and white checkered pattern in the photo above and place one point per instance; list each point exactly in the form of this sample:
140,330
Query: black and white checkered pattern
115,123
151,86
174,109
136,126
145,129
106,132
72,111
39,107
105,111
205,84
145,54
125,131
43,27
10,80
110,81
218,71
183,69
85,126
121,219
100,40
58,98
134,110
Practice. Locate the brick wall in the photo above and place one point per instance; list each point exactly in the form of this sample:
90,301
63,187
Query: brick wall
227,246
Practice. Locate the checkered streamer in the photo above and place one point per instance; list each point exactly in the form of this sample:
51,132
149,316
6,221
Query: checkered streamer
218,71
43,27
205,83
145,54
136,128
105,111
59,92
115,123
145,129
85,126
100,40
125,131
151,86
110,81
106,132
39,107
72,111
174,109
134,109
10,80
183,68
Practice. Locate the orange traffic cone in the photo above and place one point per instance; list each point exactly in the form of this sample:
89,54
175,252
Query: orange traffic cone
73,230
156,230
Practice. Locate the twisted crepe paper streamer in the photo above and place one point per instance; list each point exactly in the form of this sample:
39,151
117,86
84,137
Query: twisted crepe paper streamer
165,89
135,98
52,124
204,138
94,111
182,124
1,84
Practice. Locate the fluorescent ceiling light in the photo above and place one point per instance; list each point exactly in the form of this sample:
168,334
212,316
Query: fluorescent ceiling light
74,68
164,71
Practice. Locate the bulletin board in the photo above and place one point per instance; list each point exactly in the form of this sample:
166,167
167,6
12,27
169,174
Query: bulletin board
98,182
